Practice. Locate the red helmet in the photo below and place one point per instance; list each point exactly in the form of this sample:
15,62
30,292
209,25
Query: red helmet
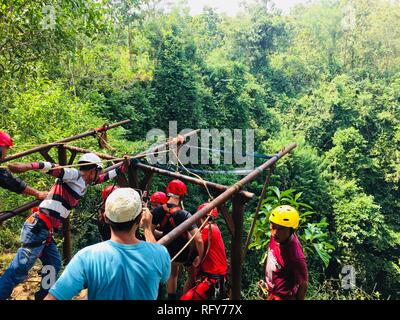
5,140
107,191
176,187
214,212
158,197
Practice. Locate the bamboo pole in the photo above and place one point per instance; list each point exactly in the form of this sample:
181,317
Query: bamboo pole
223,197
18,211
154,149
260,200
175,175
151,169
237,215
66,226
63,141
9,214
236,246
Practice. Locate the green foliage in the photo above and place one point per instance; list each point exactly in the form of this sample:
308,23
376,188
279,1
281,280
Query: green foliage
329,290
358,218
349,158
175,88
305,160
363,235
28,34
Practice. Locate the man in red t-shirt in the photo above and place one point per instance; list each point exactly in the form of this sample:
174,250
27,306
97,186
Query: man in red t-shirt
286,267
212,270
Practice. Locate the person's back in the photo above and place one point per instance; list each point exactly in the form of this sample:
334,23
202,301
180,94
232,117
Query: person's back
209,279
215,261
178,216
115,271
123,268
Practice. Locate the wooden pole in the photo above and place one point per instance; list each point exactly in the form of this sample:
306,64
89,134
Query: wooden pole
236,246
223,197
176,175
82,150
155,149
146,182
63,141
44,149
149,171
67,245
133,178
260,200
228,218
18,211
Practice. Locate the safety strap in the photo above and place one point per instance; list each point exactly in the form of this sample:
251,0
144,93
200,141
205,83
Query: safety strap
49,226
212,277
215,281
199,295
169,215
208,242
44,219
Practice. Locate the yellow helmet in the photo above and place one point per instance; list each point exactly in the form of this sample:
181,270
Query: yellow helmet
285,216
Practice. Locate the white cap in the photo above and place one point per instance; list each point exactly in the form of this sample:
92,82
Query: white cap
123,205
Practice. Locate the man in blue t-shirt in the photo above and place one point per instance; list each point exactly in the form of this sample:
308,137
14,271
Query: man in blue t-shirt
122,268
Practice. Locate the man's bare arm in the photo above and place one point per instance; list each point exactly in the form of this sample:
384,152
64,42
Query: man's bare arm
199,244
147,218
40,195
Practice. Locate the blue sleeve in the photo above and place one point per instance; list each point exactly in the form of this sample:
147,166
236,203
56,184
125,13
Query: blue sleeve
72,281
166,265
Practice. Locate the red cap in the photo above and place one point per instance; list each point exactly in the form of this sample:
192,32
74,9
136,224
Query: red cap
5,140
214,212
158,197
176,187
107,191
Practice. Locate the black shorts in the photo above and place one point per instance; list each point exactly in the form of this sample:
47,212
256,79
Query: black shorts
186,257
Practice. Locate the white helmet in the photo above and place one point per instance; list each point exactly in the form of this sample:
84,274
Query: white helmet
91,158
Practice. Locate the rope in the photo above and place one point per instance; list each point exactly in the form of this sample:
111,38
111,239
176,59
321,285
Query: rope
177,162
208,242
36,145
102,161
255,155
208,217
190,240
105,160
100,136
236,172
194,174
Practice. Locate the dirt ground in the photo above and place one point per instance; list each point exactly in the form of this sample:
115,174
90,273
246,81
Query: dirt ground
27,289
